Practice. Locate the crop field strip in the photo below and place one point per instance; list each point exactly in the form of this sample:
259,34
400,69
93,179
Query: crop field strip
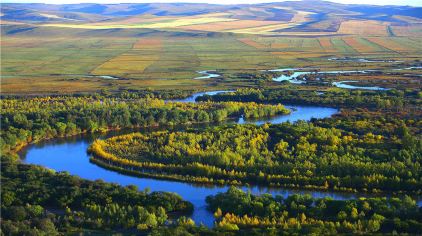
252,43
177,59
389,44
327,45
173,23
173,64
50,58
143,53
360,27
412,43
228,25
363,46
410,30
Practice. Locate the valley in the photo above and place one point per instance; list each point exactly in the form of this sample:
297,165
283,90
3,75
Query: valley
284,118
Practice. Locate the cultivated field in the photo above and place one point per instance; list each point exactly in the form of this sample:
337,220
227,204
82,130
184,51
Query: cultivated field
165,49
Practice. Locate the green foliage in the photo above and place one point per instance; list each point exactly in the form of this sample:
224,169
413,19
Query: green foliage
289,155
340,98
33,119
41,202
303,214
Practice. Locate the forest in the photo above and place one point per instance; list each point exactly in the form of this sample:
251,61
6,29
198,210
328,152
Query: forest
38,201
389,99
26,120
372,145
321,158
301,214
210,118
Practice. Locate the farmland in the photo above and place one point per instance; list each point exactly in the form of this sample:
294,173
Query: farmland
66,65
166,50
136,118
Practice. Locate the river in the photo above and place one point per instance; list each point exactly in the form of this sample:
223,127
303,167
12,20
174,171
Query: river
294,75
70,154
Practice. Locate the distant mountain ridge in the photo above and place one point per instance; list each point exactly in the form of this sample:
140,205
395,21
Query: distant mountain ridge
38,12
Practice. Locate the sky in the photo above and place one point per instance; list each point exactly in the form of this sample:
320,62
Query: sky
373,2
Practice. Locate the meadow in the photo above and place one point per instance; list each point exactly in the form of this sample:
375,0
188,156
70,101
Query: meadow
164,46
74,62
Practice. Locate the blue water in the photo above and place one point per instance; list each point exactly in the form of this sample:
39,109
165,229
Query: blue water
364,60
193,97
297,113
207,75
344,84
293,78
70,154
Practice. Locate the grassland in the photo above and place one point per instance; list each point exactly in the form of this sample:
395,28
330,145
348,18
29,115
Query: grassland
166,50
66,64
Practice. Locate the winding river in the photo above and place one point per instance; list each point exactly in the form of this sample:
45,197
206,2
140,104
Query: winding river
345,84
70,154
293,78
207,75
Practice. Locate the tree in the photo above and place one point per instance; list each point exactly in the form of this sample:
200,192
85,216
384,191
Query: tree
218,213
185,221
151,220
354,213
342,215
281,149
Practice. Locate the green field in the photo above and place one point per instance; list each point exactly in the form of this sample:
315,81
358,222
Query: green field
49,51
64,64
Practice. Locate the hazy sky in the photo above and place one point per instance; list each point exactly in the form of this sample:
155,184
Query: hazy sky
374,2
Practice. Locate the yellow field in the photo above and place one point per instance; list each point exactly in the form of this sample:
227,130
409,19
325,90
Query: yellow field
150,25
326,44
252,43
268,29
411,30
133,62
148,43
363,27
358,46
299,18
228,25
125,64
388,44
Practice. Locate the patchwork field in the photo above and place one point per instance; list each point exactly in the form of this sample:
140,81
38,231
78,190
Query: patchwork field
164,46
132,62
64,65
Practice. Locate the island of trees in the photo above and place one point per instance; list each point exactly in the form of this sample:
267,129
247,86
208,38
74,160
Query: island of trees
289,155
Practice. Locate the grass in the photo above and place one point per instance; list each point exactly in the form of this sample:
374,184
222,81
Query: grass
133,62
62,56
60,63
389,44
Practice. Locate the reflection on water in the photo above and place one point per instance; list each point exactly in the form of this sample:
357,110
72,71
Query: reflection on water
305,113
193,97
207,75
293,78
70,154
344,84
